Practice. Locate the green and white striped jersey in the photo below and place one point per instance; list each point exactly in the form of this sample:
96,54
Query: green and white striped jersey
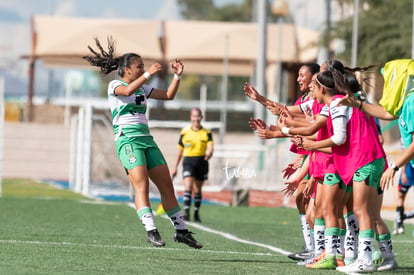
128,112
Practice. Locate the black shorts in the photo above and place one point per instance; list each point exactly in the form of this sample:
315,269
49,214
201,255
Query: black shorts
196,167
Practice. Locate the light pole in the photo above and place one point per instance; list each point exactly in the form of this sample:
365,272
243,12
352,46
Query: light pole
260,67
355,26
280,8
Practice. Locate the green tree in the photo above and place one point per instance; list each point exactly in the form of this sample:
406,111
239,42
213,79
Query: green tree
196,10
237,12
206,10
384,33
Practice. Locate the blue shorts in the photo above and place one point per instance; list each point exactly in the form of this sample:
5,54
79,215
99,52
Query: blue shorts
409,171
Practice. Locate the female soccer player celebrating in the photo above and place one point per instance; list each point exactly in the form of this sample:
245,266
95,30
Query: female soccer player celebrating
137,151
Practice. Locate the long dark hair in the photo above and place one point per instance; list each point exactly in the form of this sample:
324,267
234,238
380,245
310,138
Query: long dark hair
312,67
327,81
338,65
347,72
106,61
333,81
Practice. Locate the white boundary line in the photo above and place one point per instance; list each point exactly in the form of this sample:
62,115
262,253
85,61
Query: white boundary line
207,229
237,239
229,236
129,247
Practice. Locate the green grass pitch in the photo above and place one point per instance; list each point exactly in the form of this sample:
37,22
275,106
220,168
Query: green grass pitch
45,230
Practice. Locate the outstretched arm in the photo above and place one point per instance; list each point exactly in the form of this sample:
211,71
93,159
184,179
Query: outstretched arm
307,131
210,150
388,176
252,93
287,119
368,108
169,94
177,162
292,185
132,87
309,145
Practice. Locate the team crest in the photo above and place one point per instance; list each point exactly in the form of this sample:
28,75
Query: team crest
132,159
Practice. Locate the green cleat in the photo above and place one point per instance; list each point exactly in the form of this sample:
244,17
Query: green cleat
328,262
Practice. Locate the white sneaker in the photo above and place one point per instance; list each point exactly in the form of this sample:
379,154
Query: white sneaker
398,231
388,264
359,266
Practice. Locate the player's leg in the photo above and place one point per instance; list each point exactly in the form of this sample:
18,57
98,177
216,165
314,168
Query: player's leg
316,221
159,174
340,252
383,237
365,185
403,188
319,222
198,197
188,181
301,204
200,176
134,160
138,177
187,196
399,212
352,228
363,195
333,194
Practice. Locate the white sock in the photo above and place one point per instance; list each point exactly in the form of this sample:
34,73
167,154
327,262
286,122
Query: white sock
385,246
331,240
365,246
341,239
147,219
176,218
319,235
307,235
351,236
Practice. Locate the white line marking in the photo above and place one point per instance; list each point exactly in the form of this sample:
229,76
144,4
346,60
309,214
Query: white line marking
129,247
237,239
229,236
401,241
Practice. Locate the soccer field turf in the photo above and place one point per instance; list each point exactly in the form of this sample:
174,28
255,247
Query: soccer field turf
45,230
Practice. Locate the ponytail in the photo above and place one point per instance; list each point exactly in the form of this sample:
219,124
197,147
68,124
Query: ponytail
105,59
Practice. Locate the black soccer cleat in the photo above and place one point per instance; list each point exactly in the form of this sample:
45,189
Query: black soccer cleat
153,237
185,236
197,217
301,256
